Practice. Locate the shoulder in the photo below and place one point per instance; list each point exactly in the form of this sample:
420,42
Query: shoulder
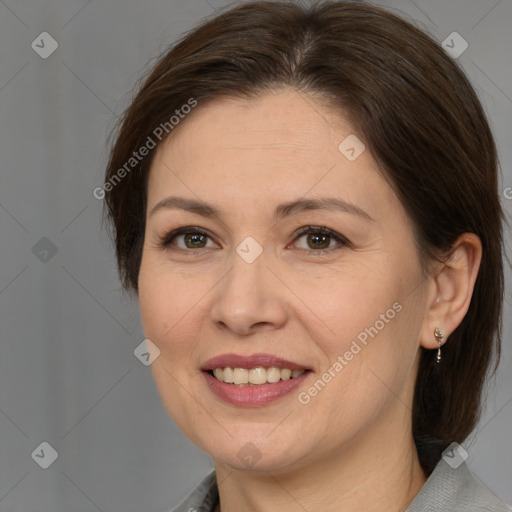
203,498
451,489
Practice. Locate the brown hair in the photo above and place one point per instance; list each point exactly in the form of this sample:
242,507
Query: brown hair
415,111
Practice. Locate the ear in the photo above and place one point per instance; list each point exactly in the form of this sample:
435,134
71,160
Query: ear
453,283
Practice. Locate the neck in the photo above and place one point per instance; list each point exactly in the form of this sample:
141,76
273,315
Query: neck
378,473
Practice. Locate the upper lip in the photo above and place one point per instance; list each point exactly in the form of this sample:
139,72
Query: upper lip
253,361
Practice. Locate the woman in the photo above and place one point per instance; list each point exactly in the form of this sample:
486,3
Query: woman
304,199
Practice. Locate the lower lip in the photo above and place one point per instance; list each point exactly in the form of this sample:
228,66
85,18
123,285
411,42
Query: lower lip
253,396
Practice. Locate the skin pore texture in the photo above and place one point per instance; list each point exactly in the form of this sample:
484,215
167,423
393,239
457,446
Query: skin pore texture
350,447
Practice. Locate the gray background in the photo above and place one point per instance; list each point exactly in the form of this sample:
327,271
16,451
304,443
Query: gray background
68,374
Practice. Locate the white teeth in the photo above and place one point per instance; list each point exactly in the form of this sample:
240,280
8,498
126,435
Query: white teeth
227,375
285,374
273,374
255,376
258,375
240,376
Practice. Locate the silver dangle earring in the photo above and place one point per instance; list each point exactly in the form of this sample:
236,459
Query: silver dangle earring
439,337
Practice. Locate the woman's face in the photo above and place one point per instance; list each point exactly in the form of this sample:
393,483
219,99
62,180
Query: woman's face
251,286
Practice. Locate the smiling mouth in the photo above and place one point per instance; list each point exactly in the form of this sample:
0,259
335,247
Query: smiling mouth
254,376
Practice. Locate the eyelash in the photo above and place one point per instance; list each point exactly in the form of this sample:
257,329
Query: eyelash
165,241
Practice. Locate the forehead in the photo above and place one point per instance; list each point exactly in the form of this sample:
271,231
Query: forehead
283,120
282,143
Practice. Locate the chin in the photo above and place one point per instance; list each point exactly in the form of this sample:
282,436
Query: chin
251,458
259,452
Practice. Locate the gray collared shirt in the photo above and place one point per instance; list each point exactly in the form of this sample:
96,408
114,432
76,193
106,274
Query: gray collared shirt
446,490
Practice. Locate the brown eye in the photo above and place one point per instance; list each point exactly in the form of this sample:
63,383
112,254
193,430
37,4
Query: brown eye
318,241
319,238
195,240
186,238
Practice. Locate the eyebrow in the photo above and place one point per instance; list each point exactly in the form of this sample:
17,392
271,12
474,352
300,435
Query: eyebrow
283,210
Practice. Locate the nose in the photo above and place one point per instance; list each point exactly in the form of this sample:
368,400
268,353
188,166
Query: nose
249,299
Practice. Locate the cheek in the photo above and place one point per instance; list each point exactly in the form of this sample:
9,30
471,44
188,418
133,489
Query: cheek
166,302
370,321
169,306
347,300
